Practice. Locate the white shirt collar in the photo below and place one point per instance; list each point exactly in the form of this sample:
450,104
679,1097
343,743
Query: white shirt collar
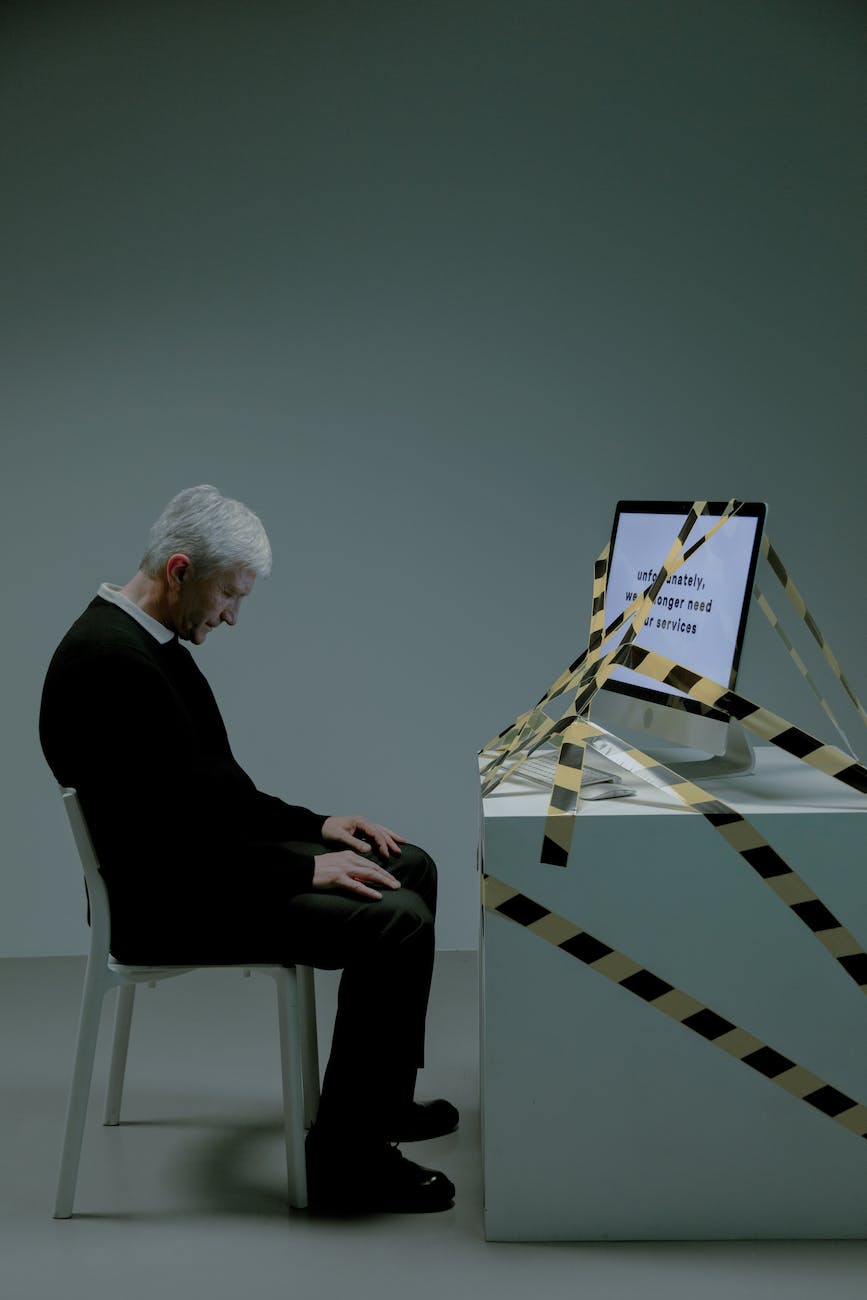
108,591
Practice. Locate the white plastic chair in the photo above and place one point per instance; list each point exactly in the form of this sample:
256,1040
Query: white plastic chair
296,1010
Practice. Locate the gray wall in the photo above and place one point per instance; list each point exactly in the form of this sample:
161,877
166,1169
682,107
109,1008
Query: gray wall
430,286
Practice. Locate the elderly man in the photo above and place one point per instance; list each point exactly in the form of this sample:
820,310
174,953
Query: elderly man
202,867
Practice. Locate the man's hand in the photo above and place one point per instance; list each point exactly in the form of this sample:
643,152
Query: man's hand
346,870
344,830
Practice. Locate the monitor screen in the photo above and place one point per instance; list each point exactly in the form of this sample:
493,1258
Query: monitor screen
699,616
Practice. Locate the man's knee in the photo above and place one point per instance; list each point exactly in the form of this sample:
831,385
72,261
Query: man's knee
401,916
416,871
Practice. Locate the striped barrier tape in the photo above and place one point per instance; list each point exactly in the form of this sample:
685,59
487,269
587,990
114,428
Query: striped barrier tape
502,900
765,606
528,727
734,828
797,600
573,732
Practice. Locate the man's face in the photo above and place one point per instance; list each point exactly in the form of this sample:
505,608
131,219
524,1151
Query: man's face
201,604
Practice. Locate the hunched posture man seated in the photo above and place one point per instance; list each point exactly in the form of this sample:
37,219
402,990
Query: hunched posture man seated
202,867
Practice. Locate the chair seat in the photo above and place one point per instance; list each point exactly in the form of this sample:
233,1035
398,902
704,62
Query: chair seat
148,972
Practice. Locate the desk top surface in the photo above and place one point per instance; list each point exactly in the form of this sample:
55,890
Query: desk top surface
779,784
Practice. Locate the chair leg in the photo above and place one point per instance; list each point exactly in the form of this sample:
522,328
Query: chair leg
293,1103
309,1041
122,1022
82,1072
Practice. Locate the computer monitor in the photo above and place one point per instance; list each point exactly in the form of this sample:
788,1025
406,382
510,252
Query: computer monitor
698,619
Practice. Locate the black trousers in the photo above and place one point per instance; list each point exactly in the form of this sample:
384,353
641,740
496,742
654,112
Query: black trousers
385,948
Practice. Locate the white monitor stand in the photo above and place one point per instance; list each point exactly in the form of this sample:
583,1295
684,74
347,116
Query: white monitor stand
675,736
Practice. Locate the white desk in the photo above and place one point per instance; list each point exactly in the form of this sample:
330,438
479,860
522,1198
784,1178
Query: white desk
602,1118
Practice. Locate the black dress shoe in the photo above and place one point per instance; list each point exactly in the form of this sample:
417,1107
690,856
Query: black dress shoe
374,1177
424,1120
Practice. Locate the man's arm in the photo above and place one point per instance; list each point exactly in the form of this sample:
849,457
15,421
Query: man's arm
157,793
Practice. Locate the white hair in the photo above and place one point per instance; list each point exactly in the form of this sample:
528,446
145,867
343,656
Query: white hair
216,534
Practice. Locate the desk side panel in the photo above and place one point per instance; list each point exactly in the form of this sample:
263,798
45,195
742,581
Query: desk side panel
605,1119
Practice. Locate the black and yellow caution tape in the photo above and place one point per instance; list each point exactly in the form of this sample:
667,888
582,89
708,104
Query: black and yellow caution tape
736,829
797,600
588,672
768,726
740,834
572,733
765,606
503,900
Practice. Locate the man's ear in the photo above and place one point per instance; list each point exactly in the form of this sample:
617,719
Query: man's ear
177,567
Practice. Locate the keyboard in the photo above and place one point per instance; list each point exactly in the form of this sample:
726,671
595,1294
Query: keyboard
541,767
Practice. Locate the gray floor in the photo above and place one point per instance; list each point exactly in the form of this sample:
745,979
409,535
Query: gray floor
186,1197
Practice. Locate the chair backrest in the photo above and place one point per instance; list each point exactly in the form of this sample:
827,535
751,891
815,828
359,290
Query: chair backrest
97,894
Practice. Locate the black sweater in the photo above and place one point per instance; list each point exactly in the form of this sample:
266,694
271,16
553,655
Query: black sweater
196,859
